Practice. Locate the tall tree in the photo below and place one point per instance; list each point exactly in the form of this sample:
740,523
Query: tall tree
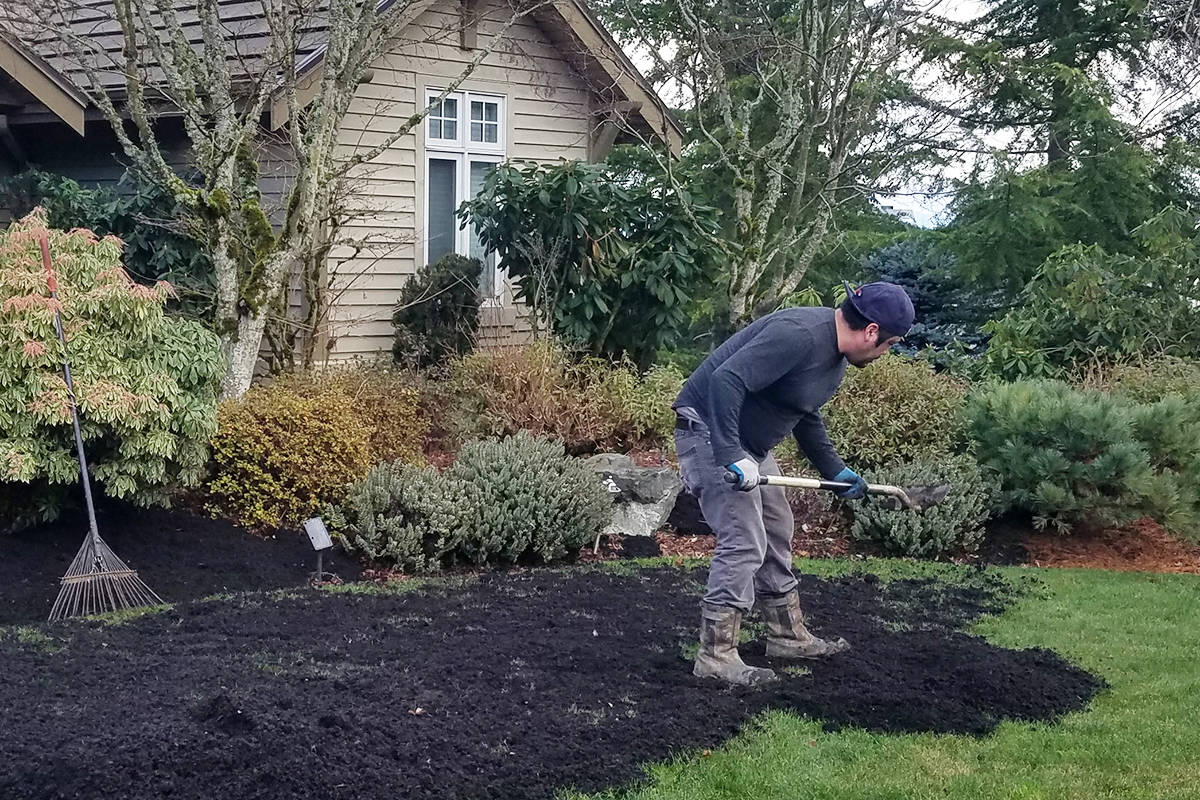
195,63
788,106
1048,77
1077,116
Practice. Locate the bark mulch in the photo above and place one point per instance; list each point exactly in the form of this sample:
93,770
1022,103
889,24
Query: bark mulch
506,685
181,556
1140,546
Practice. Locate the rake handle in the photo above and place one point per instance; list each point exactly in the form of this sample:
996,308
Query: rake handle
52,283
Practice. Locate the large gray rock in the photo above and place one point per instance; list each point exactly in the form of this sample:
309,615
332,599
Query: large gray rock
643,496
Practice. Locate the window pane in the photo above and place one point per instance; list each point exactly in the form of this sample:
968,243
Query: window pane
476,131
435,129
450,108
490,132
449,129
476,110
442,224
487,276
492,111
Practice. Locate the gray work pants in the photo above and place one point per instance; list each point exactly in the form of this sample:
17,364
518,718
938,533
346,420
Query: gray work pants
754,529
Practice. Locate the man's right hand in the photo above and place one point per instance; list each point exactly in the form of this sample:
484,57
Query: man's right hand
746,472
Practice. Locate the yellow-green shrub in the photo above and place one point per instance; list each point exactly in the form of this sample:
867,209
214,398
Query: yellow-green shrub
280,456
384,400
639,405
896,409
1148,380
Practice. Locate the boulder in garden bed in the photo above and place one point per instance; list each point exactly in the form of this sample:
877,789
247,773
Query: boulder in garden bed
643,496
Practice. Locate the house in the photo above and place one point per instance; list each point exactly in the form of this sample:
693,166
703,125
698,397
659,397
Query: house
556,87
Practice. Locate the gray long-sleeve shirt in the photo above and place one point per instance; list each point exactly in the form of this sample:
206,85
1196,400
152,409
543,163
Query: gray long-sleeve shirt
767,380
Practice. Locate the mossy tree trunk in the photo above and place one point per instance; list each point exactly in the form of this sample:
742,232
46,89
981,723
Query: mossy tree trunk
223,105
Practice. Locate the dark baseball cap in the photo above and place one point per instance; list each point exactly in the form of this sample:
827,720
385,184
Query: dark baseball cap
885,304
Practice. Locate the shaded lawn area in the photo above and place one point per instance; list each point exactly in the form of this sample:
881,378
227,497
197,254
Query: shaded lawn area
1139,739
512,685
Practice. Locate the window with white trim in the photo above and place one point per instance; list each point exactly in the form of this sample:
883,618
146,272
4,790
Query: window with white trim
464,141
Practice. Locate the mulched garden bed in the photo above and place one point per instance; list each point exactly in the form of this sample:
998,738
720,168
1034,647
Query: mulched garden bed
1140,546
181,556
506,685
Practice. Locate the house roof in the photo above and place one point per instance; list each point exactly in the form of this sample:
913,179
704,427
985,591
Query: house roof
577,32
34,81
607,61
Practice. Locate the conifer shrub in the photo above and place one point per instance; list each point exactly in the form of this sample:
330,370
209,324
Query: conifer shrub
437,315
405,516
953,527
1169,429
522,500
1063,455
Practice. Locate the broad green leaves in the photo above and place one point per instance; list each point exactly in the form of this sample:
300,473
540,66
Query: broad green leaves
608,261
145,382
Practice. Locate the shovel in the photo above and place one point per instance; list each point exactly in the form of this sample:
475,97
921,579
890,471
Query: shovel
913,498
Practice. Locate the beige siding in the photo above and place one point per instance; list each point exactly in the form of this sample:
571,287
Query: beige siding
547,108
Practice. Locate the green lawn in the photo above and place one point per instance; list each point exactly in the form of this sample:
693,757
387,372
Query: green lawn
1140,739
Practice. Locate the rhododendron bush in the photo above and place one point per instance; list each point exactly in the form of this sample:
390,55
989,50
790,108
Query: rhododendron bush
146,383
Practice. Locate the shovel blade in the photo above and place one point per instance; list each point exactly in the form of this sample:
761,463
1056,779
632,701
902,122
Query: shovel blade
919,497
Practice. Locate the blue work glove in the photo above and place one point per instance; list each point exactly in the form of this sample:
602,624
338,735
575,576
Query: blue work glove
746,472
856,492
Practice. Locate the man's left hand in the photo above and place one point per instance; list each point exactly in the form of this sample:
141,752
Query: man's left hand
856,492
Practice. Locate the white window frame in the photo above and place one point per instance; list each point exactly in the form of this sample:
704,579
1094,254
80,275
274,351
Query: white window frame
463,152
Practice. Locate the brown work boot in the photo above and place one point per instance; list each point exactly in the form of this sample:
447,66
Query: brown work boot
787,635
718,656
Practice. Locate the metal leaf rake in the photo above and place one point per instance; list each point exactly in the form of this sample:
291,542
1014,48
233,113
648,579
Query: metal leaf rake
97,580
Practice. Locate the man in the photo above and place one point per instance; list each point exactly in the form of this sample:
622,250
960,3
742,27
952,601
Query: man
766,381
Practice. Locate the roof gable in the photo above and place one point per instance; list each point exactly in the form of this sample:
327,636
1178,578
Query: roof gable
43,83
577,33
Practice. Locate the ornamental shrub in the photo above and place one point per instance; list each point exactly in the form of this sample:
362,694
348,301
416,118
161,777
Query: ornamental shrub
610,258
437,316
897,408
638,405
281,456
953,527
524,500
1170,431
1086,304
146,383
1147,380
498,392
1061,454
401,515
590,405
385,401
158,242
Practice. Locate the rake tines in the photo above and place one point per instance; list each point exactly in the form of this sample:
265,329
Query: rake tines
97,580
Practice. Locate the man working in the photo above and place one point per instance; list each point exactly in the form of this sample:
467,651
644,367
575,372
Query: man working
764,382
